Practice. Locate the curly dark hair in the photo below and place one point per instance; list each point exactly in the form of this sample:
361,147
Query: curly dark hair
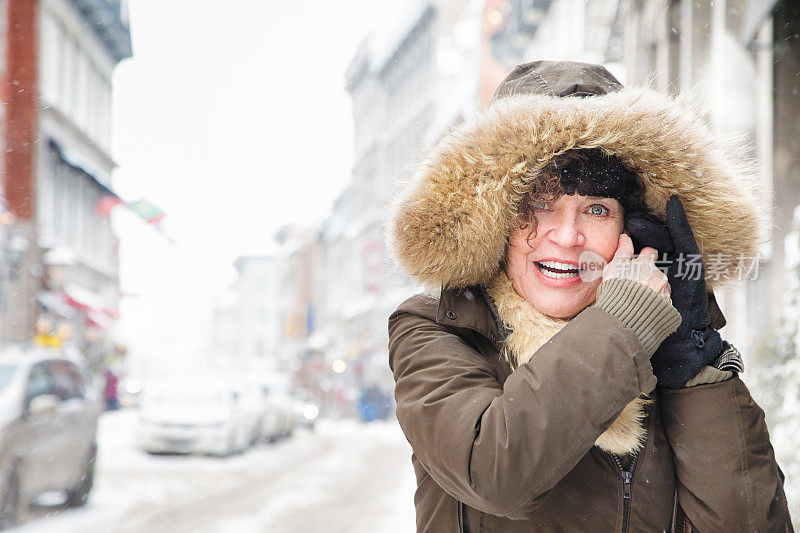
588,172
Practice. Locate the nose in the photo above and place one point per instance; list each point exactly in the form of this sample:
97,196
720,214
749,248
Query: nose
567,231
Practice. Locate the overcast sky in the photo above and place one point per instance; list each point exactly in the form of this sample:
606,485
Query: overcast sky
232,117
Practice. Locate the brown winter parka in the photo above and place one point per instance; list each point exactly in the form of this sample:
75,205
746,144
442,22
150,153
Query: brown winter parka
503,451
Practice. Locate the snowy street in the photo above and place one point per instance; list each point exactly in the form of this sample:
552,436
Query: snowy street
344,476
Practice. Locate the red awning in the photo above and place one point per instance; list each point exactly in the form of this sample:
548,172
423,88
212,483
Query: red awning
82,298
56,303
98,310
112,312
101,320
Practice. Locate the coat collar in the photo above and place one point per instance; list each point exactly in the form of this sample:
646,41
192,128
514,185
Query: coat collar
469,308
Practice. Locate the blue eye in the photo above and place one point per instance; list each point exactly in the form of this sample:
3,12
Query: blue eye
541,206
603,210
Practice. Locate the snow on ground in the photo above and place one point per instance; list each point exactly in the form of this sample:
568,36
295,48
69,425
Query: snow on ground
345,476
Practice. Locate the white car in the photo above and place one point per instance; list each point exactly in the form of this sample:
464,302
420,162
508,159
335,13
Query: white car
205,419
256,412
48,428
280,418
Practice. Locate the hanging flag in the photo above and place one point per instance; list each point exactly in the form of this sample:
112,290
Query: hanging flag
142,208
107,203
149,212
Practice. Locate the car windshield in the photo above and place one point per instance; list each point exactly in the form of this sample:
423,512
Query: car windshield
6,375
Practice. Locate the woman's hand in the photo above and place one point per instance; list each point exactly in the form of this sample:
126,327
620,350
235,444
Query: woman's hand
696,343
642,269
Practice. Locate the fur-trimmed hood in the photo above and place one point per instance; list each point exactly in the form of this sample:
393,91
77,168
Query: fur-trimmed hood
451,224
450,227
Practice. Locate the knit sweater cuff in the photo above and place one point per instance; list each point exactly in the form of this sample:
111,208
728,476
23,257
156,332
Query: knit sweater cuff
640,308
707,375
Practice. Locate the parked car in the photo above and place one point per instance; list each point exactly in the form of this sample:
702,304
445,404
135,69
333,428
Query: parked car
256,411
48,428
206,418
280,418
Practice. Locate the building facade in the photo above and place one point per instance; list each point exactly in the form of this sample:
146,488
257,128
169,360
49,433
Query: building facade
67,286
392,81
742,58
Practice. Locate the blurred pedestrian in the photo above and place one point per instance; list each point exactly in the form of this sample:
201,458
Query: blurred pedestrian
373,404
566,373
110,390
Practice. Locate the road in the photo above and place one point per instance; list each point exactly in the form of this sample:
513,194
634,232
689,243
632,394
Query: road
345,476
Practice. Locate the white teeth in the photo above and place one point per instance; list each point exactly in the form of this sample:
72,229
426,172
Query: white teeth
556,264
555,275
560,266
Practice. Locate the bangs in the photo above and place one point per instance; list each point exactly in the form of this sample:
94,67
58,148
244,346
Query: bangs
591,172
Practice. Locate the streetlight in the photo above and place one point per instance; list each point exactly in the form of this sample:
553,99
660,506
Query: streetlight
496,17
339,366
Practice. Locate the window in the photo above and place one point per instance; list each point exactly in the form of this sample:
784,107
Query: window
675,34
701,17
70,73
70,200
45,195
82,91
7,373
60,74
81,211
59,189
67,381
38,383
49,59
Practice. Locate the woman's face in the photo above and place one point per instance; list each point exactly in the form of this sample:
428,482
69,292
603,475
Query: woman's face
543,267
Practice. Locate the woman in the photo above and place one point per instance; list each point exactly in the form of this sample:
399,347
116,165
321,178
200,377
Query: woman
542,389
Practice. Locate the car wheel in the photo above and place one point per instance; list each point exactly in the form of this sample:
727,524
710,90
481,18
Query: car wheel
79,495
11,500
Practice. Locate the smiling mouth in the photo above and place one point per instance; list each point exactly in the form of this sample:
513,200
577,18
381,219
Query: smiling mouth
556,270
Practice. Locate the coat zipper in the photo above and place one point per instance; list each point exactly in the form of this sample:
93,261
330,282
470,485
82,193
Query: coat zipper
627,481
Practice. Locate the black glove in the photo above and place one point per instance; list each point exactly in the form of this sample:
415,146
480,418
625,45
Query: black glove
695,344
